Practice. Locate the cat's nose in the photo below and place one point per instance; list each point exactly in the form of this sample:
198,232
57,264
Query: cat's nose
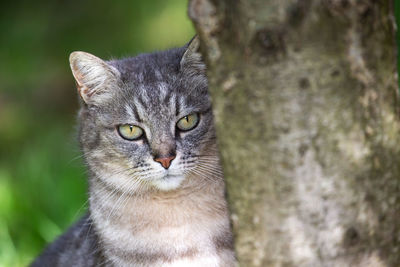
165,161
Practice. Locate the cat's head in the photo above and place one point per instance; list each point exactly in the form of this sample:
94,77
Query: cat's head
146,121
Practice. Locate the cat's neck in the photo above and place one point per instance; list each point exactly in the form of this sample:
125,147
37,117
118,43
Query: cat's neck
195,197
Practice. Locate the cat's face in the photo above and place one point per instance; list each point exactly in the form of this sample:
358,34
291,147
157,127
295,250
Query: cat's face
146,121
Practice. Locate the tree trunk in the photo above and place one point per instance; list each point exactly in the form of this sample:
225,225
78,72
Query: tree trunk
306,107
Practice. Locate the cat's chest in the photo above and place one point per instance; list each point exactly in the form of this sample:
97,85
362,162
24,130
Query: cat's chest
156,237
185,245
150,234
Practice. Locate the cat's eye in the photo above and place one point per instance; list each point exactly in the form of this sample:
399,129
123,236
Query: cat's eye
188,122
130,132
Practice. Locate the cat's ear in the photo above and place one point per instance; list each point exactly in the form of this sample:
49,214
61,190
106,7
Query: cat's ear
191,59
94,77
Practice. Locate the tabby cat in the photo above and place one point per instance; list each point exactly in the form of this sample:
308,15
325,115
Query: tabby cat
156,189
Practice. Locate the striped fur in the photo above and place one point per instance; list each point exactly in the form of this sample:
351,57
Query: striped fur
142,214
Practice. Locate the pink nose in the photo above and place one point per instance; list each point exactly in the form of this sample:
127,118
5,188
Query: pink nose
165,161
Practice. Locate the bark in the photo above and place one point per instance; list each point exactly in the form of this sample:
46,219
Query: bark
306,107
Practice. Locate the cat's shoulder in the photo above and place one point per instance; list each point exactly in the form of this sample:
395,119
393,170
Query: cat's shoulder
76,247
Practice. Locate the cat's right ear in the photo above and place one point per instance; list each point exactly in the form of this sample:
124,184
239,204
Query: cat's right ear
94,77
192,60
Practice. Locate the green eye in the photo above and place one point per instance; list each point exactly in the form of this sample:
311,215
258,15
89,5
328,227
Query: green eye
130,132
188,122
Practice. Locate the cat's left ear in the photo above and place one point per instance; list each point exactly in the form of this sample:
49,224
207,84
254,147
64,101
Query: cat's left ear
192,59
95,78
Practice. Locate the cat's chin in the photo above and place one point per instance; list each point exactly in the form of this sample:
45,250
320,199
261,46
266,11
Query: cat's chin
168,183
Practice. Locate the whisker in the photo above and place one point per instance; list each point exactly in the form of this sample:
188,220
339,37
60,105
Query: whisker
130,184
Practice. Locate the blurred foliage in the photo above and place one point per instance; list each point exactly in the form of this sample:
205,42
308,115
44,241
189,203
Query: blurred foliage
42,178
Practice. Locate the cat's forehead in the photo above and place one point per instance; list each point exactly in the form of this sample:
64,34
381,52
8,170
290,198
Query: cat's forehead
155,100
162,100
150,78
154,87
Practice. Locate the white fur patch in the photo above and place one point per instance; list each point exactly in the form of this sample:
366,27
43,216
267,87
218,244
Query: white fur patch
168,182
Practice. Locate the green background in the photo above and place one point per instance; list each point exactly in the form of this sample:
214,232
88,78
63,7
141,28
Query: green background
42,178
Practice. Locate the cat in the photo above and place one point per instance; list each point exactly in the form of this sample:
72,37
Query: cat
156,189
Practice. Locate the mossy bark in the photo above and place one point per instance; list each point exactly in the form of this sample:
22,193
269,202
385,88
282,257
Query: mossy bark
306,107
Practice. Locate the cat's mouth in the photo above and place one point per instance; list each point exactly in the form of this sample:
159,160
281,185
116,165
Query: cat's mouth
170,176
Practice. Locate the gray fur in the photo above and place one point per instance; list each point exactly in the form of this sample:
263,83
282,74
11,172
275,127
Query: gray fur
81,243
135,204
